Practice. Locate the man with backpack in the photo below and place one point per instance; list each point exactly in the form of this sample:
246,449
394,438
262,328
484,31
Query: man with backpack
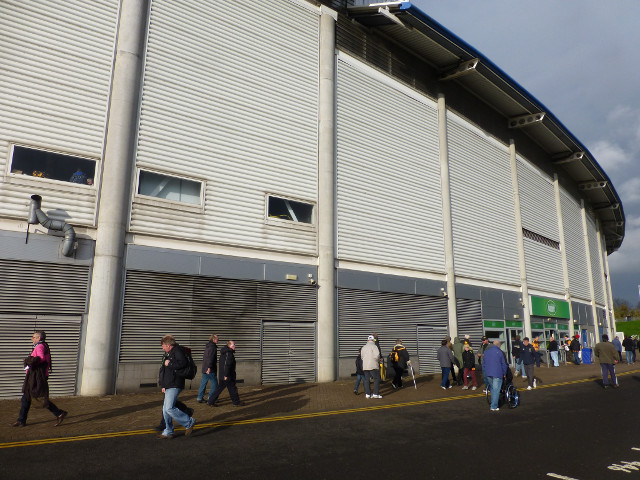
171,378
399,361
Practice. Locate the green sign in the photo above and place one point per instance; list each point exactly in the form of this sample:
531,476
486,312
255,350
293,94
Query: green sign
563,327
549,307
514,323
538,326
494,323
549,325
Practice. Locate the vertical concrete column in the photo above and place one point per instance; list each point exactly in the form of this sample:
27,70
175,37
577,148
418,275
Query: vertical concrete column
592,290
605,277
327,309
521,261
101,342
563,251
447,224
612,316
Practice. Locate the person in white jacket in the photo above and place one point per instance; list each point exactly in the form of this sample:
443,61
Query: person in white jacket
370,355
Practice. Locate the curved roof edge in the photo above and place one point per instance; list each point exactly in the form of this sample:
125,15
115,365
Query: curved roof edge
459,62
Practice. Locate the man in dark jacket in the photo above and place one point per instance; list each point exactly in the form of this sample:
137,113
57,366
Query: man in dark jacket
446,359
172,384
528,356
399,361
627,343
608,357
209,368
226,375
516,346
574,346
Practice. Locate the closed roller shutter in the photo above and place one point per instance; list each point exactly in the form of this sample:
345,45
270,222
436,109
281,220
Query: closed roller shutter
482,205
429,341
43,288
288,352
230,96
388,185
63,337
56,71
192,308
391,315
574,247
469,316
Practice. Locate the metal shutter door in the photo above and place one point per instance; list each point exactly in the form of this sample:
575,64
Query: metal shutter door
43,288
63,337
54,89
288,353
389,206
391,315
429,341
482,205
469,315
574,247
230,95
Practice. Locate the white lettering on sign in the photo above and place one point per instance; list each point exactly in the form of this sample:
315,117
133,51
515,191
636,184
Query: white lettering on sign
622,466
562,477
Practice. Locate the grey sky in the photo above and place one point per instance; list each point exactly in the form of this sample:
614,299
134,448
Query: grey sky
580,59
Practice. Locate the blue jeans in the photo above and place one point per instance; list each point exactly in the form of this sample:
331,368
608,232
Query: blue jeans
376,381
608,369
629,356
495,383
554,357
520,367
171,412
576,358
206,378
359,378
445,377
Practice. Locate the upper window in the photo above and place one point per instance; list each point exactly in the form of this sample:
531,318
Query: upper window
55,166
289,210
167,187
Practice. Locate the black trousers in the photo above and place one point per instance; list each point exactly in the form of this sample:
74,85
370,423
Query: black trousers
229,384
397,378
25,405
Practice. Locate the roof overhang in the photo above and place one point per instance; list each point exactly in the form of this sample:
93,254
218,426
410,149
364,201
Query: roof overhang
459,62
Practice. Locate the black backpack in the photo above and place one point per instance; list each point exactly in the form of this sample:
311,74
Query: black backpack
188,372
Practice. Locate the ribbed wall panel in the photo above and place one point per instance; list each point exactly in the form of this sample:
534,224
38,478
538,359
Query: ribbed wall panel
388,174
63,337
575,247
288,353
230,97
469,316
56,70
43,288
192,308
429,341
596,267
391,315
544,267
482,205
537,201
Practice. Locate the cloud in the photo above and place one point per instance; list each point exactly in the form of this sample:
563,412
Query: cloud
627,259
630,192
609,155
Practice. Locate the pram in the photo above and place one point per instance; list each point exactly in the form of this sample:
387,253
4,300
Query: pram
508,392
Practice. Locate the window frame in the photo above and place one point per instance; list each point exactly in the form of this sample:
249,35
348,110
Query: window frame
143,199
281,222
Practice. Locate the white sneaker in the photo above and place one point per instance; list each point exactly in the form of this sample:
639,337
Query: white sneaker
367,395
534,383
376,396
474,388
515,375
523,377
484,390
529,387
465,388
450,386
444,388
495,409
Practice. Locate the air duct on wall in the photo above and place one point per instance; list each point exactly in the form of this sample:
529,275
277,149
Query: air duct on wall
36,215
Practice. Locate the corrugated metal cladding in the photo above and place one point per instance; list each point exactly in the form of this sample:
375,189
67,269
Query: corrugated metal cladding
482,205
288,352
596,267
574,247
230,97
540,215
63,337
43,288
192,308
429,341
54,88
469,316
391,315
388,173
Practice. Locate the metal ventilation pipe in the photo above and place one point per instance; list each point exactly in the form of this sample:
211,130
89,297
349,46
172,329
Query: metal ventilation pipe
36,215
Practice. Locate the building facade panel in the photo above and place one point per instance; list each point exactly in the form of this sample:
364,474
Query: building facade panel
574,247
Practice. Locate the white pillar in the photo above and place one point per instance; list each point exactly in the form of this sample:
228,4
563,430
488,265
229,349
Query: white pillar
592,291
563,251
445,186
520,239
605,282
612,315
101,342
327,324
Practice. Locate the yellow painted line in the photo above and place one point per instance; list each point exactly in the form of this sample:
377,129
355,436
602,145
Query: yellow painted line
50,441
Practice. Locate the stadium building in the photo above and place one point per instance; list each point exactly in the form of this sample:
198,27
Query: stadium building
293,175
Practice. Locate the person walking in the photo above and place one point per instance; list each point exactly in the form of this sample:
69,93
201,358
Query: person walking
496,367
575,349
608,357
528,357
359,372
483,346
226,376
36,383
516,346
635,347
618,346
553,351
446,359
536,347
172,384
399,361
209,368
627,343
370,355
469,367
